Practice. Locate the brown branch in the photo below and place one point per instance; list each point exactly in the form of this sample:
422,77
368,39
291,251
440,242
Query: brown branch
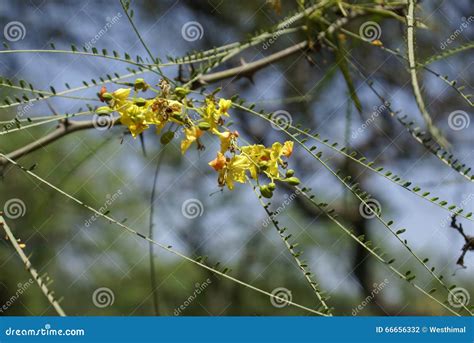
64,128
248,69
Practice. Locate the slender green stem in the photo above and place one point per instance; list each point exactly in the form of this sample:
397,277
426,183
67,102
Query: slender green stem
34,273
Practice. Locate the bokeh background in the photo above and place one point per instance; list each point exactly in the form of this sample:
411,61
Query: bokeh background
95,166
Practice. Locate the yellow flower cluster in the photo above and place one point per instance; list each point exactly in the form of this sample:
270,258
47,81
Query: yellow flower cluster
233,163
255,159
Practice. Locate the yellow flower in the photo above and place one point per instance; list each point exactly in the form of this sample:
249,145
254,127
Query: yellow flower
276,152
134,118
257,155
219,162
287,148
267,160
212,116
236,168
227,139
121,94
192,134
230,169
224,106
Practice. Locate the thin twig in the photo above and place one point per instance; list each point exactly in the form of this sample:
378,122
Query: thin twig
250,68
151,246
41,284
414,79
63,129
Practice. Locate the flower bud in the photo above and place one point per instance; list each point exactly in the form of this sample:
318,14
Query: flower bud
167,137
140,84
107,96
266,192
271,186
294,181
121,94
204,126
139,102
103,111
181,92
377,42
290,173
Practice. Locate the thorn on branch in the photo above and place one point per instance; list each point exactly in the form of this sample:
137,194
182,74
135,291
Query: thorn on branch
469,240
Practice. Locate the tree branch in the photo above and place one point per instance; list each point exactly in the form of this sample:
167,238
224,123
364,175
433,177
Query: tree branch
249,69
34,273
64,128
